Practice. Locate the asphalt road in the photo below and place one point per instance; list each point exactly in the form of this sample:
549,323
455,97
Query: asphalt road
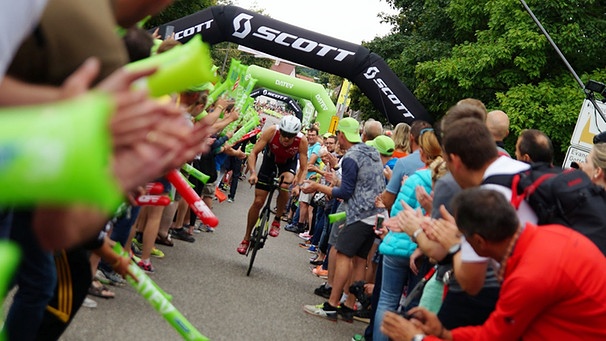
208,282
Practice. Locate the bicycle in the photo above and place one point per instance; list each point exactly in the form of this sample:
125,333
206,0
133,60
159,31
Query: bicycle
261,230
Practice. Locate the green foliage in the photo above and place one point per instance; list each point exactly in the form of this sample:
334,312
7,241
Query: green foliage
446,50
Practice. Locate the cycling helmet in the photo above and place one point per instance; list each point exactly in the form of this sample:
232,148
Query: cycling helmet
290,124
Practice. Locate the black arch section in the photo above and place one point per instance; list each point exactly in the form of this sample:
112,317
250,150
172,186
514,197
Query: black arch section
277,96
364,68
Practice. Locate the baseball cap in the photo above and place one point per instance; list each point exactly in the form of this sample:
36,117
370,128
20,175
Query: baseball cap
384,144
351,129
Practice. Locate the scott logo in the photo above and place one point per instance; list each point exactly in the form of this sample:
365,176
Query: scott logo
193,30
245,25
242,28
371,73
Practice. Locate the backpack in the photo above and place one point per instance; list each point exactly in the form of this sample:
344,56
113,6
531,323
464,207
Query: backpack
564,197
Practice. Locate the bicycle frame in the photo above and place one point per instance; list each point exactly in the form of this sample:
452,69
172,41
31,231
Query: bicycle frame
261,228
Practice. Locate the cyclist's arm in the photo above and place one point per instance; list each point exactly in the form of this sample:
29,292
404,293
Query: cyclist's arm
258,148
302,173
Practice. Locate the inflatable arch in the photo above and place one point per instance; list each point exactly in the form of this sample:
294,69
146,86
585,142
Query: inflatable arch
299,88
354,62
279,97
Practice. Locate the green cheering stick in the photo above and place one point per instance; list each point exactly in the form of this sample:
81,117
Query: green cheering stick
160,300
195,173
71,141
336,217
179,69
9,258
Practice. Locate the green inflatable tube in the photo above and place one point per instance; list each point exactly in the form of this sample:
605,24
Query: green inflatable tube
160,301
179,69
339,216
9,259
58,154
195,173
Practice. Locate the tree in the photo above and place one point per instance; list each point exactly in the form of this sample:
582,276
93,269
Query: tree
493,51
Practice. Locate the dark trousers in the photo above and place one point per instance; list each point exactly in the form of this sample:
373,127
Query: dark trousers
36,278
461,309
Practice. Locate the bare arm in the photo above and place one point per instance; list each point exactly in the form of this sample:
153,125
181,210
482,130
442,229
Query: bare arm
302,160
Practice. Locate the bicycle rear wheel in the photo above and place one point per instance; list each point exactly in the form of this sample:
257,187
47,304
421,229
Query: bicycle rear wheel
256,239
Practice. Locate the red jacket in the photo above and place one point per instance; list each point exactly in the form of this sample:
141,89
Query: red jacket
554,289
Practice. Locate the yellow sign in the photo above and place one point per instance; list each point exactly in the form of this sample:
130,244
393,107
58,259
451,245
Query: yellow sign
588,125
334,123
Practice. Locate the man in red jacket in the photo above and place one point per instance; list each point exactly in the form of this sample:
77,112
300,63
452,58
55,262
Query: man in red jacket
554,283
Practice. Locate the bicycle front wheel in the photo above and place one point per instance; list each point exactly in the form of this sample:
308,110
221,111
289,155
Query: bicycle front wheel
256,240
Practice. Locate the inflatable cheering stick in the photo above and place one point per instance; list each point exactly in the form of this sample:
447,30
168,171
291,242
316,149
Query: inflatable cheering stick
73,148
154,188
192,198
160,300
152,200
336,217
195,173
179,69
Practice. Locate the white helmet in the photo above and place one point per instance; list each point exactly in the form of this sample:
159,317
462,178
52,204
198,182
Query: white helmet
290,124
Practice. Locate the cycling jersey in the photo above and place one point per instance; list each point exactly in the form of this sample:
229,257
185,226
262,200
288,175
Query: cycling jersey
280,153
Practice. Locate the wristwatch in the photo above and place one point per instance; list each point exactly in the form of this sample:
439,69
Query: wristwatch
454,249
418,337
451,252
416,234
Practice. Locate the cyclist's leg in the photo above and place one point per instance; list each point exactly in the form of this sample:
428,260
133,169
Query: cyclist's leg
287,171
265,177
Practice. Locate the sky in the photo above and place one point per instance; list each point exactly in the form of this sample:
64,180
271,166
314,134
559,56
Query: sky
350,20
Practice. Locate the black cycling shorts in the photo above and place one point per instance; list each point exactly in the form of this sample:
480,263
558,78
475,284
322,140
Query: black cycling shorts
269,170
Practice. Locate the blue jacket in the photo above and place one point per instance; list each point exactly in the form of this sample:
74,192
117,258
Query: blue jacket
407,193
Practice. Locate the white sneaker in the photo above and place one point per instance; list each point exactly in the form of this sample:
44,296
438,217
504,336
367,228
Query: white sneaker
305,235
89,303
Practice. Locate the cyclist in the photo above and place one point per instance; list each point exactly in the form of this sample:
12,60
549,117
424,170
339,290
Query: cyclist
280,143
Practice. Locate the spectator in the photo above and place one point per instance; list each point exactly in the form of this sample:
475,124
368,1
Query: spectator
498,125
534,146
538,293
362,181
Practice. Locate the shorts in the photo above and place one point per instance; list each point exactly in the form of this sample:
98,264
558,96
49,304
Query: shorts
269,170
336,227
208,190
306,197
356,239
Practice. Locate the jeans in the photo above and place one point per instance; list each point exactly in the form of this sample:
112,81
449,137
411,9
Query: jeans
319,226
36,278
396,274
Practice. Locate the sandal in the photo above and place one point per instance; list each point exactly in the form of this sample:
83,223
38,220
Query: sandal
100,290
164,240
243,247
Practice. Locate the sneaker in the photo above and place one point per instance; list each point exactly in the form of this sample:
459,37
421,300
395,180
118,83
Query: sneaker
243,247
157,253
318,271
182,235
109,277
230,200
89,303
316,262
305,235
312,249
322,310
323,291
208,229
275,229
346,313
362,315
358,337
305,245
148,268
292,228
136,247
357,289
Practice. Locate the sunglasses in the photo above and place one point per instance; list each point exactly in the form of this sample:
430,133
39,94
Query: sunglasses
287,135
600,138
